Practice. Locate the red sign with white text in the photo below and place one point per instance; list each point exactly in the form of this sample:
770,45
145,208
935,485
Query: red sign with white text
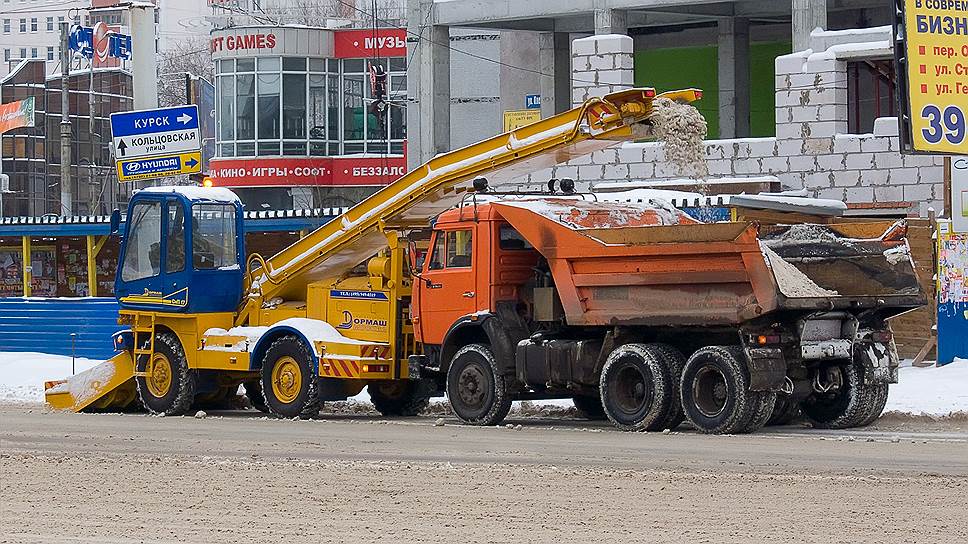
306,171
356,44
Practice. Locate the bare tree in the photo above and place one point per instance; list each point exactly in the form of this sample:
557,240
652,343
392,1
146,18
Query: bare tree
190,56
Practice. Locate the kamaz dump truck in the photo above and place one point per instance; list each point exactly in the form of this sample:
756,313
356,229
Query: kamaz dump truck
637,312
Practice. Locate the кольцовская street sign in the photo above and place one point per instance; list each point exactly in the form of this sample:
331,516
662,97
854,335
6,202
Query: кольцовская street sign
156,143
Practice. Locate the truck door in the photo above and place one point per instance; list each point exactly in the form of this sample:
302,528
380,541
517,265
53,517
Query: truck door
449,289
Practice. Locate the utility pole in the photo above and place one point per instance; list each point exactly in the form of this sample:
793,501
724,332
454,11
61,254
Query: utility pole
67,197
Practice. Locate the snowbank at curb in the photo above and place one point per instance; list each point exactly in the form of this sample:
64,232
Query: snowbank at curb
936,392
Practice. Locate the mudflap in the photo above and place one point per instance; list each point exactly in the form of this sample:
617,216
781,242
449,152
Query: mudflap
768,369
880,361
108,386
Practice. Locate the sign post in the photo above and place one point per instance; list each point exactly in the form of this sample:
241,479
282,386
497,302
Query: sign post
156,143
931,53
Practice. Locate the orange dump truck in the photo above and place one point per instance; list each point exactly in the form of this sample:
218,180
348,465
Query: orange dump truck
647,317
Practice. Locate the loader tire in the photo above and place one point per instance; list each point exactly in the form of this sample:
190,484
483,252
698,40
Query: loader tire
289,381
477,391
589,407
169,387
675,361
843,408
405,398
636,388
715,391
784,411
253,392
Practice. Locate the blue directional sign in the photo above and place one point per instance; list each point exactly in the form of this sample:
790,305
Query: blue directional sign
532,101
170,135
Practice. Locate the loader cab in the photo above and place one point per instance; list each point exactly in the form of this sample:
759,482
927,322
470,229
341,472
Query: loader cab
182,251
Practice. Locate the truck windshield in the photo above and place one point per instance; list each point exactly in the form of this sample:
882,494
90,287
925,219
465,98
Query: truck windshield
142,256
213,237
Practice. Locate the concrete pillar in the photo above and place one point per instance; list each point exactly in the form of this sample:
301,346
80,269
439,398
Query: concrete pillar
144,68
807,15
428,78
555,60
734,78
611,21
601,64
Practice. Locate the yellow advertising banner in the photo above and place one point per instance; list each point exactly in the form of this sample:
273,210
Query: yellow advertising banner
516,119
17,114
936,33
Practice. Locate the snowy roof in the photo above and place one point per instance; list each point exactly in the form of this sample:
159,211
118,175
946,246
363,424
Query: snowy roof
193,192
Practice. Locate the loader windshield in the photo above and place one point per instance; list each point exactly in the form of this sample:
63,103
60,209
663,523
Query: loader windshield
142,257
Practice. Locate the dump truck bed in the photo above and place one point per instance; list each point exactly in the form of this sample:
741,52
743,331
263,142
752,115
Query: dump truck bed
627,264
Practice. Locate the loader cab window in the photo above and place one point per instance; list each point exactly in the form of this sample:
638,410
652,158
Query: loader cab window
142,257
452,249
175,261
213,237
512,239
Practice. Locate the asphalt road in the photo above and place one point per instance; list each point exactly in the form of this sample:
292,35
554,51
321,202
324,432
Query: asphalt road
236,476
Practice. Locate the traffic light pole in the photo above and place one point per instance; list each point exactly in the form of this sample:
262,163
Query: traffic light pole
67,197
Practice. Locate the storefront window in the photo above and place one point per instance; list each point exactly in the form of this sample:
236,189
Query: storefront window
294,106
226,85
353,111
268,89
245,109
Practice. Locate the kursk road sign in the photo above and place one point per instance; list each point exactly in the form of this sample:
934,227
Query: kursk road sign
166,133
159,166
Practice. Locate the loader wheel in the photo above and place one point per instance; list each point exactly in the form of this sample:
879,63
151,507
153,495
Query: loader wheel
476,388
784,411
399,397
715,392
636,388
289,379
169,385
253,392
845,406
589,407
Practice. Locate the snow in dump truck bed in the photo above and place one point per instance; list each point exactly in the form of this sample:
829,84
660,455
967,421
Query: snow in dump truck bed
589,214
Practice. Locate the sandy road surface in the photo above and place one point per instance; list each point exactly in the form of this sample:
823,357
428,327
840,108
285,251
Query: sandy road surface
110,478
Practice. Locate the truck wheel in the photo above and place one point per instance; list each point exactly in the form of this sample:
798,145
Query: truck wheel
784,411
715,391
878,400
253,392
762,403
844,407
589,407
636,388
475,387
675,361
399,397
289,379
169,386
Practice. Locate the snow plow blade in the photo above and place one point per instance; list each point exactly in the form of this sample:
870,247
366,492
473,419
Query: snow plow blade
108,386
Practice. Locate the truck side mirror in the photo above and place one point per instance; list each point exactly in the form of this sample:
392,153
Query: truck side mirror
115,221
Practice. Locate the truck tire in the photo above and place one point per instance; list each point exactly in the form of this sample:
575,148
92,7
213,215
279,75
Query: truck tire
876,404
763,403
636,388
169,387
675,361
476,389
715,391
289,381
399,397
589,407
253,392
846,407
784,411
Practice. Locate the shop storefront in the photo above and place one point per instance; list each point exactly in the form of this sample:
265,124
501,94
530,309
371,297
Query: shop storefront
296,115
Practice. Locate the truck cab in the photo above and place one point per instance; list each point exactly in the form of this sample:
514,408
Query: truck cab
183,251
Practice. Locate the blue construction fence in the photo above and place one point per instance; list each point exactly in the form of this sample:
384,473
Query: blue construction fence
46,325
